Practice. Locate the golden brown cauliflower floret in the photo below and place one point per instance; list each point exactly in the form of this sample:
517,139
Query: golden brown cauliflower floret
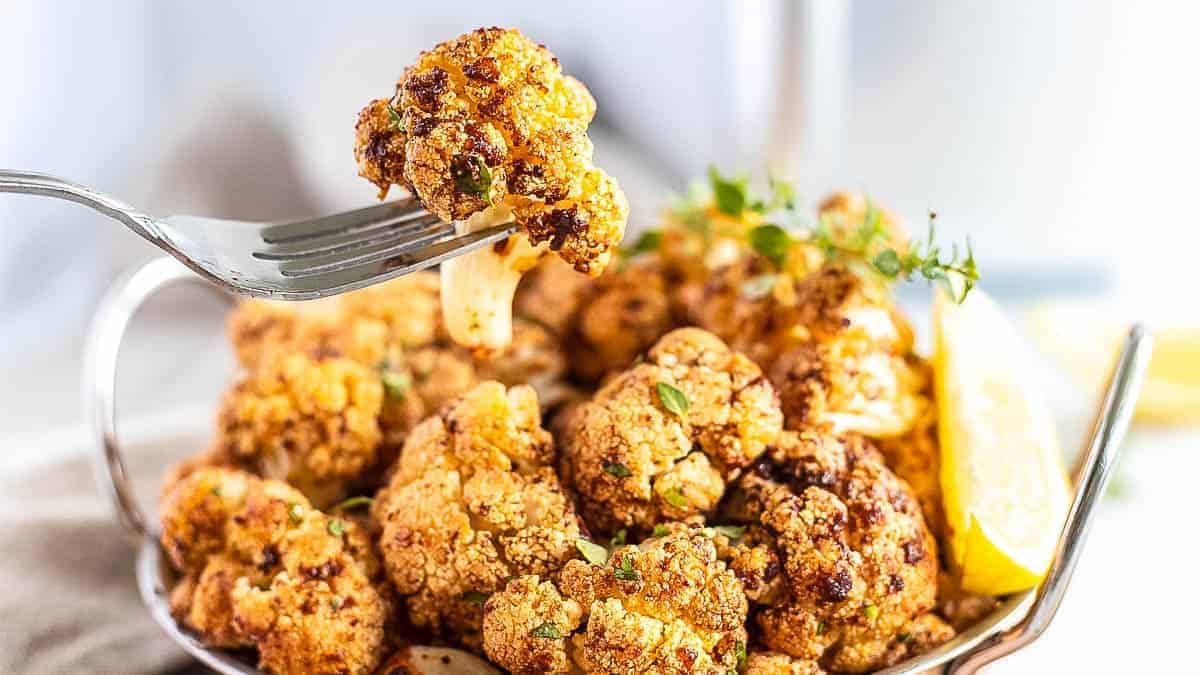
774,663
916,458
486,128
473,501
262,568
307,419
635,461
666,606
846,561
833,344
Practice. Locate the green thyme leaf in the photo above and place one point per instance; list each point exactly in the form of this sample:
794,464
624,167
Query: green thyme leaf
660,530
731,531
871,612
617,469
618,540
739,650
904,637
758,286
547,630
394,116
476,597
675,498
672,399
888,263
729,194
396,384
336,527
216,492
295,513
821,628
649,241
472,176
593,553
335,604
626,572
771,242
351,503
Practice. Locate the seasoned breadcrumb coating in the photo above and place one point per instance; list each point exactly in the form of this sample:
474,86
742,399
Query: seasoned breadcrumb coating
635,462
665,606
307,419
845,559
262,568
473,501
833,344
488,119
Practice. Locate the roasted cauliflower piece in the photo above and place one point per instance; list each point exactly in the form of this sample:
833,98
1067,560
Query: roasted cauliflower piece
666,606
838,558
774,663
473,501
306,418
262,568
486,128
660,441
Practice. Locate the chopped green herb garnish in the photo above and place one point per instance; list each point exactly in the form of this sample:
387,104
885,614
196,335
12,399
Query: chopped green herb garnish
675,498
335,604
394,116
821,628
336,527
647,242
216,492
351,503
296,513
739,650
626,572
871,612
472,176
731,531
728,193
547,630
771,242
618,540
476,597
758,286
904,637
617,469
660,530
591,552
672,399
396,384
925,258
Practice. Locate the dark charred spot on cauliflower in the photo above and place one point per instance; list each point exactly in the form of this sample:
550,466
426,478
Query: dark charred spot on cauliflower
846,560
487,119
473,501
262,568
634,461
669,605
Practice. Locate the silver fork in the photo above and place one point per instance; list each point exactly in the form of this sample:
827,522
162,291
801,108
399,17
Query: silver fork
302,260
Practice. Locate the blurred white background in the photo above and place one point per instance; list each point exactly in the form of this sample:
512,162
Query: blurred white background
1062,136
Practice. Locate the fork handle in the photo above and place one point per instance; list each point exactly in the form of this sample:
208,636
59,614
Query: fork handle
45,185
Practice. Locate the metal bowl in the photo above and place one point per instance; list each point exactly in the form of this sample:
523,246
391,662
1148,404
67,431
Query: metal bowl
1018,621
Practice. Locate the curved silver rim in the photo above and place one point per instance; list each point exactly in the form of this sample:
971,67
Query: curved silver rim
1020,620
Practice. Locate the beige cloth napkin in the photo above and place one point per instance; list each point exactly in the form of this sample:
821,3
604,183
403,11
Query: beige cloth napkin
68,599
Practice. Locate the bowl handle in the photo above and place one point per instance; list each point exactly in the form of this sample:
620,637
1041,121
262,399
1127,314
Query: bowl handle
1108,430
101,351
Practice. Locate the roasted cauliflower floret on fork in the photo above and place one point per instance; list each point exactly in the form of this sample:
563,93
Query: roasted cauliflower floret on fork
660,440
668,605
473,501
484,129
837,557
262,568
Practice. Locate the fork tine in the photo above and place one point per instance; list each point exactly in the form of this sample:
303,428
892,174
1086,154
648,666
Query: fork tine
347,221
355,239
320,264
406,261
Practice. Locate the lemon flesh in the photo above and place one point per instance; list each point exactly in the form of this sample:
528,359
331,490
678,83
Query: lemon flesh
1005,490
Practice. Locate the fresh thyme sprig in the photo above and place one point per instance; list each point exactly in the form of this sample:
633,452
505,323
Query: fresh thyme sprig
925,258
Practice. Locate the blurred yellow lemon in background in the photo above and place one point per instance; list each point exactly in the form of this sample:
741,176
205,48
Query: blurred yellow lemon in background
1005,490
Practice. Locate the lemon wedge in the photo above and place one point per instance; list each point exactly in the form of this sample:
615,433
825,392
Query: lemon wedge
1003,482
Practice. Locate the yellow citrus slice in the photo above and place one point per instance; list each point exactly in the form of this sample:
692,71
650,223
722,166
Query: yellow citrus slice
1005,490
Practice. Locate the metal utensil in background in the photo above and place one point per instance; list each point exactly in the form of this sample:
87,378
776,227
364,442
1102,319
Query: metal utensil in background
1016,623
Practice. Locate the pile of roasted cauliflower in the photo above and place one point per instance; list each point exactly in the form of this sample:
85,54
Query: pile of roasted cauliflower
718,456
